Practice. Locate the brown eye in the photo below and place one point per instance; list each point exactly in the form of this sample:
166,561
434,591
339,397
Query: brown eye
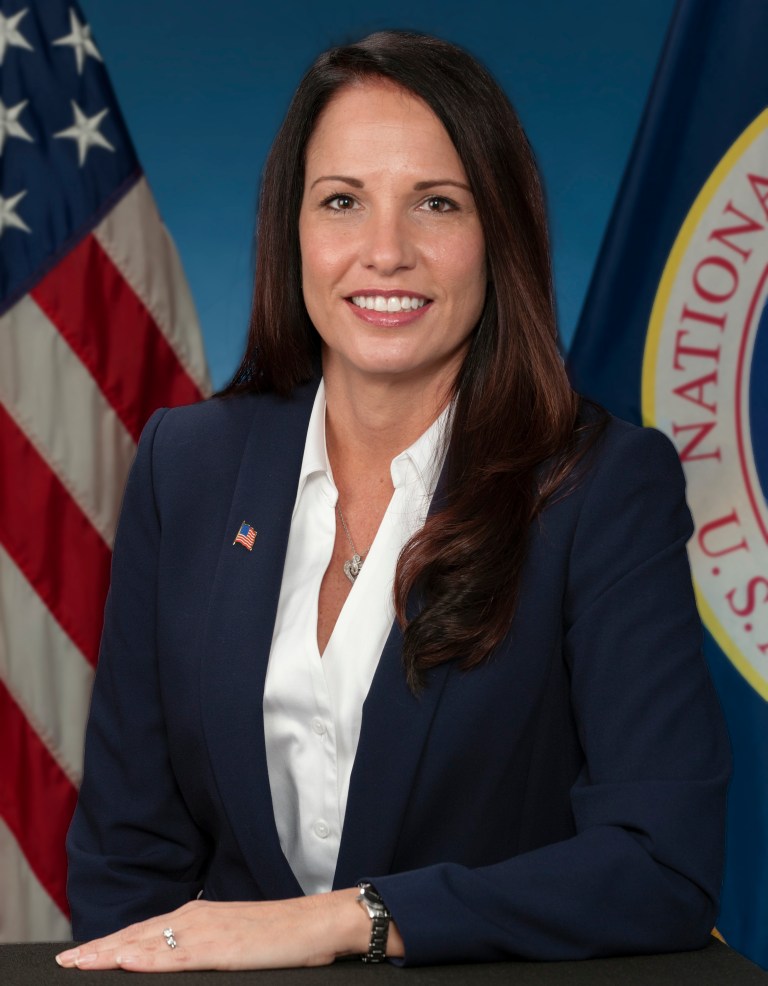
438,203
341,203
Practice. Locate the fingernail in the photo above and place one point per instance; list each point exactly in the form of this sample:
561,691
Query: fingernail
126,959
83,960
68,957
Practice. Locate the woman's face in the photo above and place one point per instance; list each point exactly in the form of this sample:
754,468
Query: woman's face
393,256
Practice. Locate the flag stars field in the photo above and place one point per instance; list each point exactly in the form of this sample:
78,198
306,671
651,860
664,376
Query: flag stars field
9,122
10,35
9,219
85,130
79,39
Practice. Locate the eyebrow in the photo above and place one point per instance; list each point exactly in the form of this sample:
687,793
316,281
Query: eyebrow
423,186
420,186
354,182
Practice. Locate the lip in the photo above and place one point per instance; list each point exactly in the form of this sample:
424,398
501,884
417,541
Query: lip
389,319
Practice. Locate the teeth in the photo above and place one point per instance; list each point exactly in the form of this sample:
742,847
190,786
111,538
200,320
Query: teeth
379,303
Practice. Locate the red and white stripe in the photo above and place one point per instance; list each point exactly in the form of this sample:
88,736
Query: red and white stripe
108,335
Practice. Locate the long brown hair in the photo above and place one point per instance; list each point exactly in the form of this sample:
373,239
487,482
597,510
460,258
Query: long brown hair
513,440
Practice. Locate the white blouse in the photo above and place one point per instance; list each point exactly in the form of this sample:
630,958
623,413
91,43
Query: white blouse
312,705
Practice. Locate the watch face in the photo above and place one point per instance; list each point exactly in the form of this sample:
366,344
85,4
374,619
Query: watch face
371,901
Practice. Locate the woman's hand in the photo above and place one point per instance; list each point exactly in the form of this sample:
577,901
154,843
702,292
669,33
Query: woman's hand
305,931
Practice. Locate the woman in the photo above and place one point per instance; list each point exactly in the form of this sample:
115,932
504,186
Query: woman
530,761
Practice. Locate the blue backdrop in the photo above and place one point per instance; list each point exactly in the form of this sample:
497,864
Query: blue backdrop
204,85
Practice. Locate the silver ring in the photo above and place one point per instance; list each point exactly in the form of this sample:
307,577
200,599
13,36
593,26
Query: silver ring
170,941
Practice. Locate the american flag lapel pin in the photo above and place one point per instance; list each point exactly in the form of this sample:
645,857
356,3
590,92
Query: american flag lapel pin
245,536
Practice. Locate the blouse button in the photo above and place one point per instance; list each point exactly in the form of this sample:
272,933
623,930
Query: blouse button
321,829
318,726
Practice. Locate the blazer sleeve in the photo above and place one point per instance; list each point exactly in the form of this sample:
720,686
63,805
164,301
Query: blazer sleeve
133,846
642,873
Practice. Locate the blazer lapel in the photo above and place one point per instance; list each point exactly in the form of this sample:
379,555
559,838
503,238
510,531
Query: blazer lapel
393,732
392,736
238,635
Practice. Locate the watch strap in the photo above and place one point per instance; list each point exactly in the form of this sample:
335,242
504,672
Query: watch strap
377,911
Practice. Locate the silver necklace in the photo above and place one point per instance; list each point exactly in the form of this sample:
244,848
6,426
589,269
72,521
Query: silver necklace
355,563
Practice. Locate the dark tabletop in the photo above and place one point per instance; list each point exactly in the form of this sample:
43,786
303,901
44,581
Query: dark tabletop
33,965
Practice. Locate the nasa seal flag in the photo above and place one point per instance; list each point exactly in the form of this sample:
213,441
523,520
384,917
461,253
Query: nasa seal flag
704,383
674,334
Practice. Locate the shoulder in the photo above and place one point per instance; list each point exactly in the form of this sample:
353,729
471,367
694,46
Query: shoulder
628,507
220,427
622,502
647,447
203,444
210,424
621,458
186,446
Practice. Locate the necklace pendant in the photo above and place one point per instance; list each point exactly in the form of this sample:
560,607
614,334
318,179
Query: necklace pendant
352,567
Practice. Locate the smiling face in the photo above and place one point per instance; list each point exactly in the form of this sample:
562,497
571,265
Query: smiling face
392,251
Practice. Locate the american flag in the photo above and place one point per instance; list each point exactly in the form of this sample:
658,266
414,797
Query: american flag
246,536
97,329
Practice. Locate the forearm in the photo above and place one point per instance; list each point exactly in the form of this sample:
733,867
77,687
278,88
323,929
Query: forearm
600,893
304,931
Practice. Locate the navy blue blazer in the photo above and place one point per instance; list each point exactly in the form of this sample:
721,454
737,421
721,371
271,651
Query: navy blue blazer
564,800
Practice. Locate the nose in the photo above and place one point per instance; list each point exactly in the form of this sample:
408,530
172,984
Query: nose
388,245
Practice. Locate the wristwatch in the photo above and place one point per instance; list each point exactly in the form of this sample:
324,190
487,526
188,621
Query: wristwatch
377,911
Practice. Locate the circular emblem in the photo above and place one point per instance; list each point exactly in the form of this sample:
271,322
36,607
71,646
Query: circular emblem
705,383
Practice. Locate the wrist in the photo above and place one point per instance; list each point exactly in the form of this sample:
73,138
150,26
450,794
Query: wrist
352,927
